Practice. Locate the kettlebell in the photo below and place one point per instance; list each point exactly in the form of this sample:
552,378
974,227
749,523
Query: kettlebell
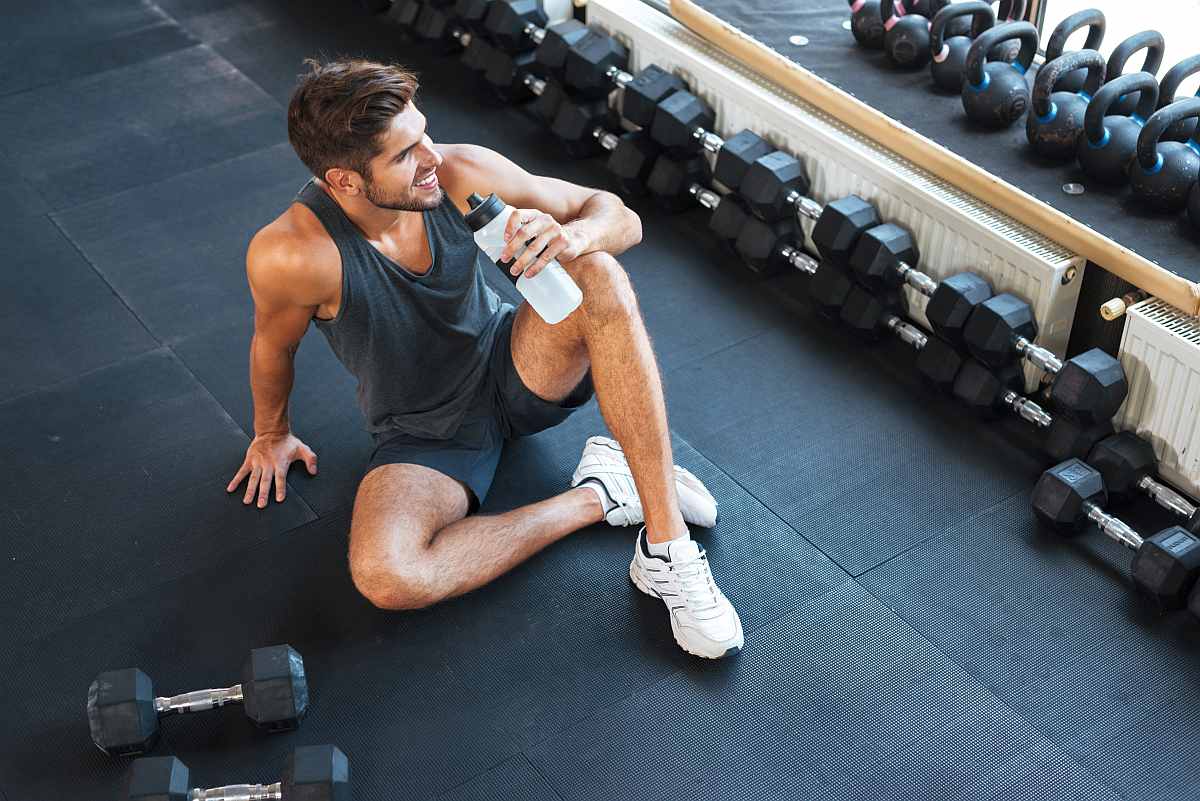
1055,119
906,35
1093,20
1163,172
1109,139
866,24
1150,41
948,52
995,94
1182,130
1010,11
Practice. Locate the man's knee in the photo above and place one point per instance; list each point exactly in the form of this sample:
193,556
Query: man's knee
390,583
607,290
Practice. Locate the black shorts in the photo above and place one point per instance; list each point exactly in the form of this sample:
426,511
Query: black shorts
506,409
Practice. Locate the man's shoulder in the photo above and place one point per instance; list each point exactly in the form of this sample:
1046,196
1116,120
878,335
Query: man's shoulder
293,247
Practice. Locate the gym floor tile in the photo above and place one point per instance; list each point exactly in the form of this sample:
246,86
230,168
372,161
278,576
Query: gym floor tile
846,446
837,699
521,640
1054,629
116,481
176,250
513,780
61,318
45,43
108,138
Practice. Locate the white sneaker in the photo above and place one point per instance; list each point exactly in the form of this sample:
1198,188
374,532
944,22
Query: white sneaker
702,619
604,462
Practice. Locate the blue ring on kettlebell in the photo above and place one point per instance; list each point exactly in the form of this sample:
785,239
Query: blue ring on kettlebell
1158,165
982,85
1139,120
1018,66
1050,114
1103,140
1194,145
1086,97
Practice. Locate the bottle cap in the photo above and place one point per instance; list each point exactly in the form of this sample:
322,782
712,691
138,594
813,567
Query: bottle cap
483,210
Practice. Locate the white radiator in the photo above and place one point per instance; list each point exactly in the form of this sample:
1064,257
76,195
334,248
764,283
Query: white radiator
954,231
1160,351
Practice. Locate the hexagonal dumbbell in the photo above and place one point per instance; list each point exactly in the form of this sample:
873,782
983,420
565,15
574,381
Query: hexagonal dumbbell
1071,495
1129,467
728,216
1001,330
841,223
123,712
872,316
631,158
312,773
883,260
517,75
576,122
595,66
671,178
988,394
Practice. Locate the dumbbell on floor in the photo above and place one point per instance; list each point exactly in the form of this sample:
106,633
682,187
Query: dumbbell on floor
1129,466
1071,495
631,158
883,260
683,123
595,66
312,773
1001,330
517,75
989,393
123,712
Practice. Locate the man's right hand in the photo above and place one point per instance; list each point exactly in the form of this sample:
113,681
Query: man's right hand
269,457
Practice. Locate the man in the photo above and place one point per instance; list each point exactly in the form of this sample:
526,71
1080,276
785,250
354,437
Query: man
376,253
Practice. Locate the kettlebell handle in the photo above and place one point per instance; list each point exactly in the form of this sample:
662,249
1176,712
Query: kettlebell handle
1159,122
1092,18
1175,76
982,18
983,44
1150,41
1011,11
1052,72
1097,110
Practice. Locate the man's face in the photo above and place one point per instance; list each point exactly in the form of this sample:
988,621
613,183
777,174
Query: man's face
403,177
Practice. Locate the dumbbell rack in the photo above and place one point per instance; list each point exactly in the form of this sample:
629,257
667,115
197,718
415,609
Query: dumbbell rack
954,231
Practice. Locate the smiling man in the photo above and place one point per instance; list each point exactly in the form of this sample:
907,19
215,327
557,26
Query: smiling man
376,254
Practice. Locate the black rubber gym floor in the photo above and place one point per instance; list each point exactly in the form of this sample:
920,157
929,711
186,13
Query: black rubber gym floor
909,633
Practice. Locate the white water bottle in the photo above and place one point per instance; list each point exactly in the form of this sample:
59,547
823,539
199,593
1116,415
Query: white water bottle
552,293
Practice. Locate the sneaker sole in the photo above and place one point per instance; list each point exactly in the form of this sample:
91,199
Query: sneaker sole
637,582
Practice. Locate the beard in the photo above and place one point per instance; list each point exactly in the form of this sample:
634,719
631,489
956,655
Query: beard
401,202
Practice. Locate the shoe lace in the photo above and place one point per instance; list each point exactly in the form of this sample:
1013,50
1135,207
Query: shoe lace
696,583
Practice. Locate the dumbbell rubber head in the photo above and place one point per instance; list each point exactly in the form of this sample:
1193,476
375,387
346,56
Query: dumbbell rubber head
478,54
863,312
504,73
631,161
641,96
545,106
1062,491
840,225
994,324
939,362
981,388
431,23
551,54
1090,386
505,22
951,304
677,117
405,12
672,176
1167,566
575,121
759,244
587,61
828,290
316,773
472,12
158,779
274,688
768,182
1069,438
728,219
736,156
1123,460
121,713
879,252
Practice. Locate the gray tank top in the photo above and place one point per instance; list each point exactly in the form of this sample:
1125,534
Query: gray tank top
418,344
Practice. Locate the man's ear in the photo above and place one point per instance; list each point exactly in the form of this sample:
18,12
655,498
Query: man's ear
348,182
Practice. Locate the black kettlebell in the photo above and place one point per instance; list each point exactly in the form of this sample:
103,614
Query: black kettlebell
948,51
1163,172
1055,119
1150,41
995,94
1093,20
866,24
1182,130
1109,140
1010,11
906,35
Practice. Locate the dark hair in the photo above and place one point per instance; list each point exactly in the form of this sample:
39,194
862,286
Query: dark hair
339,110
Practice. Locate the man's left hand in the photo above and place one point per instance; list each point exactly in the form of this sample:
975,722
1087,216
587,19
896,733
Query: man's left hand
547,239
